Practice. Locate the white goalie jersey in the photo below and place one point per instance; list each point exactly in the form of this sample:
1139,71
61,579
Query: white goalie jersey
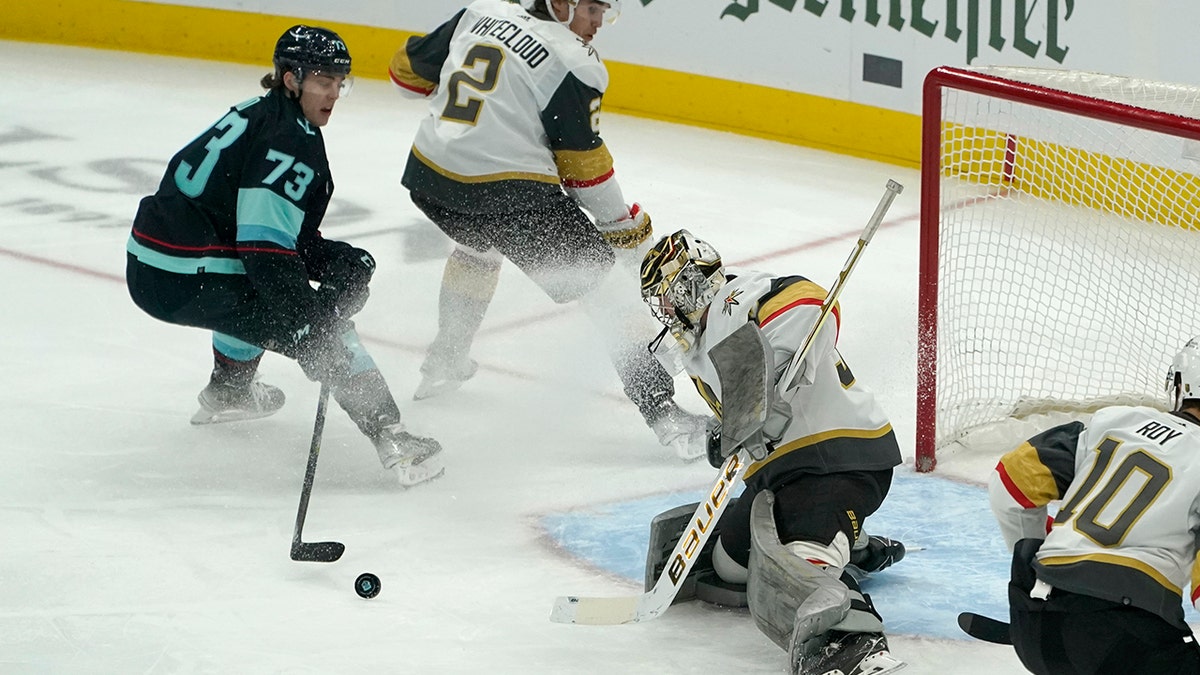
1127,527
837,425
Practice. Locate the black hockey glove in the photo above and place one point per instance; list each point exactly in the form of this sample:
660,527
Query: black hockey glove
343,291
713,447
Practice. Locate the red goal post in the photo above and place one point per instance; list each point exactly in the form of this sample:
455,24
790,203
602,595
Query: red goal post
1060,249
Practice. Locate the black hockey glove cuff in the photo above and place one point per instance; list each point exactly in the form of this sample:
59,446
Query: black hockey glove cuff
713,446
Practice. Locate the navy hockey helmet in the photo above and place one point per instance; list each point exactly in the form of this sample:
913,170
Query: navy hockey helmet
1183,377
308,48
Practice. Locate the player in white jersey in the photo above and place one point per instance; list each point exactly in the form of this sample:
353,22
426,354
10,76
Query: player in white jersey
1099,588
828,465
507,163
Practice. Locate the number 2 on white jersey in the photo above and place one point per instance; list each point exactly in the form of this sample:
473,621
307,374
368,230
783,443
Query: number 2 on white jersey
468,111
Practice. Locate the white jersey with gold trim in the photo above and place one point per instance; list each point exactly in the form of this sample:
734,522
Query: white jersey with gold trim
497,56
1129,481
837,424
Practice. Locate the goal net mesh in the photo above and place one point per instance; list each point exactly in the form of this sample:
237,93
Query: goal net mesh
1068,257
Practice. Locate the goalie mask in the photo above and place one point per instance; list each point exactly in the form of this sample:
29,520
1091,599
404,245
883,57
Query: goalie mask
680,276
1183,378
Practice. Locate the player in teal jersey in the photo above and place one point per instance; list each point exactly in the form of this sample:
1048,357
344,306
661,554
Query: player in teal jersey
231,241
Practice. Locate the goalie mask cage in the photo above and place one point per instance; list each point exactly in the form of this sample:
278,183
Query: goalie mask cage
1060,257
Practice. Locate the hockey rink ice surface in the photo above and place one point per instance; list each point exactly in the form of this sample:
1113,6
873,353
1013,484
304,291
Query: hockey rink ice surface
137,543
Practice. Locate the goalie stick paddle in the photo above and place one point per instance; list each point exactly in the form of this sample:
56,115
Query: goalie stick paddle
984,628
741,360
320,551
645,606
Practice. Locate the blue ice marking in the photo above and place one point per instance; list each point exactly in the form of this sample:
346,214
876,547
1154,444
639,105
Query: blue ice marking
961,566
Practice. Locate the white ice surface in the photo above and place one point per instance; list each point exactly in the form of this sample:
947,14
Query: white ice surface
132,542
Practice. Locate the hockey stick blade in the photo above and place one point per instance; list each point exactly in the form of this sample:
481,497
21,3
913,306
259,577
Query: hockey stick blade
984,628
604,611
318,551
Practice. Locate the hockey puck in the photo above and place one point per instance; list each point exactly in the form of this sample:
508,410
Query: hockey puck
366,585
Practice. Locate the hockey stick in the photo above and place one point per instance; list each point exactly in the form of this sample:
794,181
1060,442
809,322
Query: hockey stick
320,551
984,628
790,376
645,606
649,605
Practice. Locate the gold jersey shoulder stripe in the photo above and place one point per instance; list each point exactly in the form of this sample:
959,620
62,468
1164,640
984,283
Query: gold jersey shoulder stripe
799,293
1029,475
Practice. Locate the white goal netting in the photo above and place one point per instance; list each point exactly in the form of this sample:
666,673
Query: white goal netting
1067,231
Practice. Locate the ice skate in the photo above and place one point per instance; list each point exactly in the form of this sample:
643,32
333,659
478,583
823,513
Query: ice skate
415,459
876,553
847,654
682,431
438,378
231,403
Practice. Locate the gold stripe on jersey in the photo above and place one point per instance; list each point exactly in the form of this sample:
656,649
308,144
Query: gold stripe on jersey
1029,475
707,393
628,238
402,73
1119,561
800,292
584,166
486,178
809,441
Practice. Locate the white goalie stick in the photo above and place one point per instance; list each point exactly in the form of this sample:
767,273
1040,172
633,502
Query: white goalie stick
792,375
608,611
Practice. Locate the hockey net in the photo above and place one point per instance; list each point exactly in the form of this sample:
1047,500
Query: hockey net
1060,251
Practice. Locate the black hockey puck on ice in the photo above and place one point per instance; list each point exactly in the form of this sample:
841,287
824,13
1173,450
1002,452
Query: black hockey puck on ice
366,585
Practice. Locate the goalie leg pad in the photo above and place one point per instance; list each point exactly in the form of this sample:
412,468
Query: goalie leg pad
788,594
702,581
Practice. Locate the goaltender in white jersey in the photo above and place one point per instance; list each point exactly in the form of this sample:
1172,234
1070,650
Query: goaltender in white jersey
825,466
1109,575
